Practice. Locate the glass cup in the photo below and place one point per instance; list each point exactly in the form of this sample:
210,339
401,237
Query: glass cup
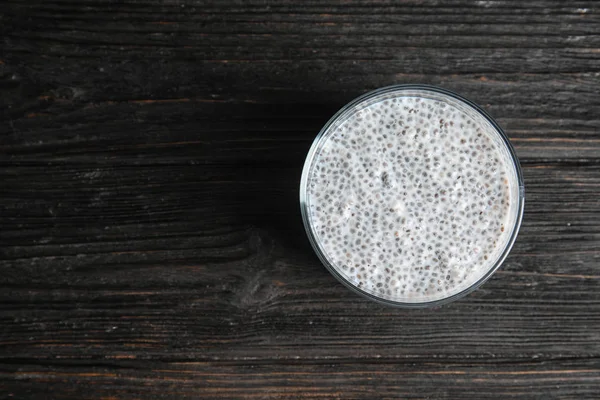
389,278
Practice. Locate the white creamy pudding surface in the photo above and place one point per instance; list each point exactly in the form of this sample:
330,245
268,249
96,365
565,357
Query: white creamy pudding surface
412,196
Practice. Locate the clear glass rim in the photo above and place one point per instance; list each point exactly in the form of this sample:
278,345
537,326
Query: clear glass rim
314,242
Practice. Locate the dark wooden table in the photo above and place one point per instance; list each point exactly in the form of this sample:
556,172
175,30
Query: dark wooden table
151,244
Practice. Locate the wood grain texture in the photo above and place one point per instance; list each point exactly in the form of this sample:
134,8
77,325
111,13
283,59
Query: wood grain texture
150,238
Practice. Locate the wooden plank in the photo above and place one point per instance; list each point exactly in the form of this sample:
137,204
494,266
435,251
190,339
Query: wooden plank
258,131
319,380
257,272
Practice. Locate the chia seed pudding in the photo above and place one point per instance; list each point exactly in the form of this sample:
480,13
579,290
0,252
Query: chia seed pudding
412,195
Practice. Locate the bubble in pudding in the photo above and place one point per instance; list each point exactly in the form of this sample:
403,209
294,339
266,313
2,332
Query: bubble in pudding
411,195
